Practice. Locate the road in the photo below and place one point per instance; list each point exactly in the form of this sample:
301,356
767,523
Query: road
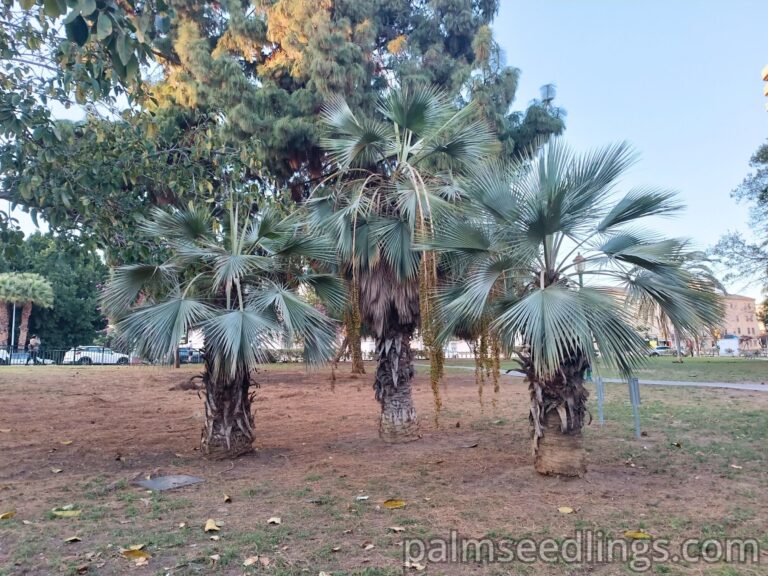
754,387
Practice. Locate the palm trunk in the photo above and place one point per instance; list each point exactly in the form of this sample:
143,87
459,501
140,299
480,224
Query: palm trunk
228,429
558,408
4,324
26,312
394,375
353,331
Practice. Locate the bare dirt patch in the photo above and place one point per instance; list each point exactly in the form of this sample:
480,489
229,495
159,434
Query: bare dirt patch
82,435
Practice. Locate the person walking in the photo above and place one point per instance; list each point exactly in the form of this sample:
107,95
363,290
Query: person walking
34,349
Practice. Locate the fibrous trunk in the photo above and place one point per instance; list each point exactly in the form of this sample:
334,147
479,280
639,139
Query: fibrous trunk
558,408
394,375
26,312
353,332
3,324
228,429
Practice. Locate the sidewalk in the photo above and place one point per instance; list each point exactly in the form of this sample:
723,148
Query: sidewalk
754,387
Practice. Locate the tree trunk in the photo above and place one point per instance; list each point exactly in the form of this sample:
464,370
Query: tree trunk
228,429
394,375
4,320
558,409
353,331
26,312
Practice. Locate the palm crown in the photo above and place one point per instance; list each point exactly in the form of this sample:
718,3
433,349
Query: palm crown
512,254
241,280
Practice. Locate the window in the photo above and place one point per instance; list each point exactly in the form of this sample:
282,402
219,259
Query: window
738,330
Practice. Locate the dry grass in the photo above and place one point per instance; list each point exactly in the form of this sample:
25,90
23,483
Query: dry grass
318,450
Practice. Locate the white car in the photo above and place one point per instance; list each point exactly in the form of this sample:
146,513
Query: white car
94,355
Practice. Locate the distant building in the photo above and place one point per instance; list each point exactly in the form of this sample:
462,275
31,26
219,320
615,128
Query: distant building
741,320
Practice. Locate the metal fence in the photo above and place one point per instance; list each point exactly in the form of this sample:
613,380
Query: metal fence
87,356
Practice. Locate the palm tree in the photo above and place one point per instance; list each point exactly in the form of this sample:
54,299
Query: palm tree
242,280
25,289
538,252
394,172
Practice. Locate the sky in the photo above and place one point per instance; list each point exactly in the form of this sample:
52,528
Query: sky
677,79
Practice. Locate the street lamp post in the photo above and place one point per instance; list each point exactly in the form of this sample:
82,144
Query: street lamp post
581,264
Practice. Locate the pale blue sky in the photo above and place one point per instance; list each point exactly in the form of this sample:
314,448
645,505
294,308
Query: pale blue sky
678,79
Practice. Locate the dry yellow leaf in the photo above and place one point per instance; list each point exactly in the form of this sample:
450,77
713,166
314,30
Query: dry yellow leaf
134,554
414,566
250,561
566,510
227,498
367,545
393,504
65,442
182,524
141,562
8,515
637,535
264,561
275,520
215,557
736,467
72,539
211,526
5,430
66,512
397,529
56,470
135,547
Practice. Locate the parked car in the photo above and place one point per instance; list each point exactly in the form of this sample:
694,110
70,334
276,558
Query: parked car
190,356
16,358
94,355
661,351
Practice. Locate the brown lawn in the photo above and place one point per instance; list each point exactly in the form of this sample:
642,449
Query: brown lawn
317,451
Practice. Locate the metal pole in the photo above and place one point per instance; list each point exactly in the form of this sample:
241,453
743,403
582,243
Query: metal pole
13,328
600,399
634,398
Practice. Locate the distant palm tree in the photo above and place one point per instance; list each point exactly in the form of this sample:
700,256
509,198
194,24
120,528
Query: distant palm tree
394,172
538,252
241,280
25,289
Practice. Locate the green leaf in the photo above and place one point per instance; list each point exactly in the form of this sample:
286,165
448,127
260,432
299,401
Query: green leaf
104,26
55,8
86,7
77,31
124,49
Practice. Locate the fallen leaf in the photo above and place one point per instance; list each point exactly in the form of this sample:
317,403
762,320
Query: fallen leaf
361,498
65,442
134,554
56,470
250,561
737,467
335,548
348,531
5,430
135,547
72,539
677,444
566,510
66,511
414,566
227,498
397,529
323,574
27,522
275,520
8,515
637,535
470,445
83,568
215,558
141,561
393,504
211,526
215,538
182,524
264,561
367,545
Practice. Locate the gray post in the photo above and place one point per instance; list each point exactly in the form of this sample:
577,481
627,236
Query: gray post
600,400
634,398
13,331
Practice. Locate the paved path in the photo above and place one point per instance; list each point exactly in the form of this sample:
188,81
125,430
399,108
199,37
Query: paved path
732,385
